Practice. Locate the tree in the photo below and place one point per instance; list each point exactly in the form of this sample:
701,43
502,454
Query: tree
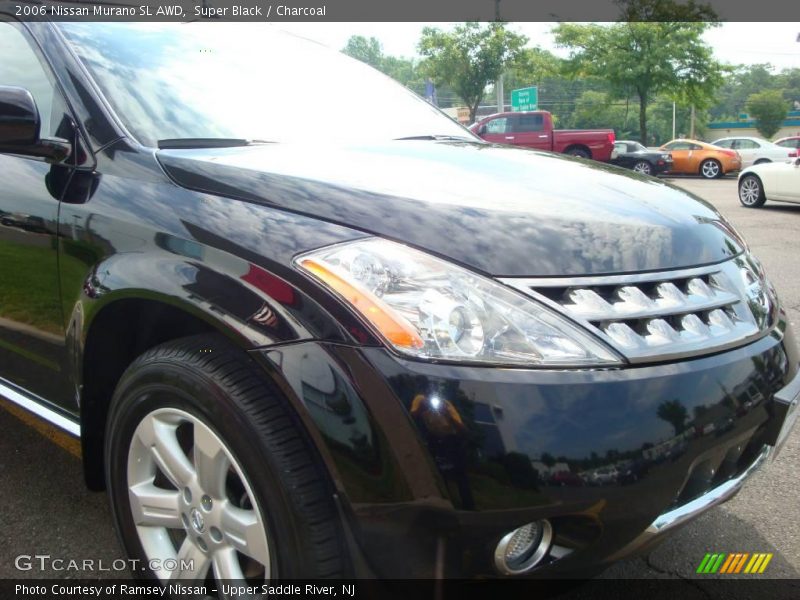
370,51
644,59
469,58
743,81
674,413
665,10
367,50
595,110
530,67
769,109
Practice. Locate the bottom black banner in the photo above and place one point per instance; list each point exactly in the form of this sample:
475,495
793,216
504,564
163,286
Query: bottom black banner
596,589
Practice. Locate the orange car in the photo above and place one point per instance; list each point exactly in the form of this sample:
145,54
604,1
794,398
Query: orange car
698,158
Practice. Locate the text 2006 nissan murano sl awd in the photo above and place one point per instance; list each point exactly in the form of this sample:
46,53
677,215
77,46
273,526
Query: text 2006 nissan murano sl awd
332,333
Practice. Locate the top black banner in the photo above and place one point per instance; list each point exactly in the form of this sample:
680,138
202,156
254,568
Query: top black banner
403,10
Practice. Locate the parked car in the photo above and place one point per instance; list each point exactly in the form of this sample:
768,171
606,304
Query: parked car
634,156
792,142
296,358
603,476
770,181
754,151
534,129
22,221
692,157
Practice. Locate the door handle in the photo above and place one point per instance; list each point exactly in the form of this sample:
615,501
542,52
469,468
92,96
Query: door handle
509,137
545,136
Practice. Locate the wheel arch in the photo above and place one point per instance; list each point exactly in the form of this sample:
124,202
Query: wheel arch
582,147
130,304
144,322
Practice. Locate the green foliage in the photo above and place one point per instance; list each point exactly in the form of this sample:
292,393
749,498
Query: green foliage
403,70
644,59
531,67
769,109
744,81
367,50
598,86
665,10
596,110
659,117
469,58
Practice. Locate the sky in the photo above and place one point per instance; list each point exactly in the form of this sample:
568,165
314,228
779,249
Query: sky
733,43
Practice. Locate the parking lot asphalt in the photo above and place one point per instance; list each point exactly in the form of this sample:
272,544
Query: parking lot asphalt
45,508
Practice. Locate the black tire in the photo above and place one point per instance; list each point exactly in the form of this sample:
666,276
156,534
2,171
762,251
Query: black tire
751,191
643,167
579,152
711,169
761,161
208,378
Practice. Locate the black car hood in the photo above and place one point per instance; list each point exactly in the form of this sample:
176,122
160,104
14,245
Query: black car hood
501,210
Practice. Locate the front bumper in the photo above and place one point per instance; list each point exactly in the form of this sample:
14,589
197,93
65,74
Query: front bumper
435,463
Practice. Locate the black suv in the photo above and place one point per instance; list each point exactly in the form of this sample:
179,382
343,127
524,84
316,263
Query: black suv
332,333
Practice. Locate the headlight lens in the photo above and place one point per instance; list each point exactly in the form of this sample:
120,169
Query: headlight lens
431,309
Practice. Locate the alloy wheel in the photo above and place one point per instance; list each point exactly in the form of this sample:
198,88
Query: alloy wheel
192,503
642,167
710,169
749,191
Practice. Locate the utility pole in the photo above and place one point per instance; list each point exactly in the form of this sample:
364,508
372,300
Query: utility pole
673,119
691,127
498,85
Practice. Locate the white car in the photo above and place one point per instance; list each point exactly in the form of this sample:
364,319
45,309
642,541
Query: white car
754,151
773,181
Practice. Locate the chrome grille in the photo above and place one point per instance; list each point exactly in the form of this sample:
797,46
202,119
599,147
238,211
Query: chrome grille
651,316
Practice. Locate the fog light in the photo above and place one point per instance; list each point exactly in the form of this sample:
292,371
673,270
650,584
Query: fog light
523,548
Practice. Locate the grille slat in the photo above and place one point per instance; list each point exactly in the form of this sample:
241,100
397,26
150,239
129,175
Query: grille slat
589,305
657,315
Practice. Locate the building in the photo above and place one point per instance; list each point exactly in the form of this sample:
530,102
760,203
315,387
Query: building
747,127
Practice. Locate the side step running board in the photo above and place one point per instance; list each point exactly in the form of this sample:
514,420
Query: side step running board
39,408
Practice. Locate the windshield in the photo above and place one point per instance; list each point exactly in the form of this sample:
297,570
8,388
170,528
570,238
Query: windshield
245,81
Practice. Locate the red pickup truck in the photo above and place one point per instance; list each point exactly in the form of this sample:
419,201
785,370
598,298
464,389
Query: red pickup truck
534,129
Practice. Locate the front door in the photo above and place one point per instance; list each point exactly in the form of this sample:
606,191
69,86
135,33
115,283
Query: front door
681,157
528,131
32,352
498,131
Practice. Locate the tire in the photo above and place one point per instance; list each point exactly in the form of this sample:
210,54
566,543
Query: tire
579,152
643,167
711,169
751,192
259,506
761,161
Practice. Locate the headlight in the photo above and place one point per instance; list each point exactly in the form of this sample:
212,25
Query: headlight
428,308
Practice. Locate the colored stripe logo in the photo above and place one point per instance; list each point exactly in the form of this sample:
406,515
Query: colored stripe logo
734,563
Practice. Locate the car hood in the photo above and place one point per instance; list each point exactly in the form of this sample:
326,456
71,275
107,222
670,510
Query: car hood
497,209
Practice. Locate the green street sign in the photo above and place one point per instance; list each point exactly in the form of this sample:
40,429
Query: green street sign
525,99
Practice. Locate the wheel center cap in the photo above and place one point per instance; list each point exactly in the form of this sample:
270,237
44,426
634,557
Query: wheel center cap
198,523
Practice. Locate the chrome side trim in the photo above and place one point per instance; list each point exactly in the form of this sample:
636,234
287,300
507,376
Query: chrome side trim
682,514
718,495
39,409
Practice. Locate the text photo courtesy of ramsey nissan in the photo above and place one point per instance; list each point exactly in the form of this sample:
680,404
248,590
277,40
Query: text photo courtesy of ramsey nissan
297,305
